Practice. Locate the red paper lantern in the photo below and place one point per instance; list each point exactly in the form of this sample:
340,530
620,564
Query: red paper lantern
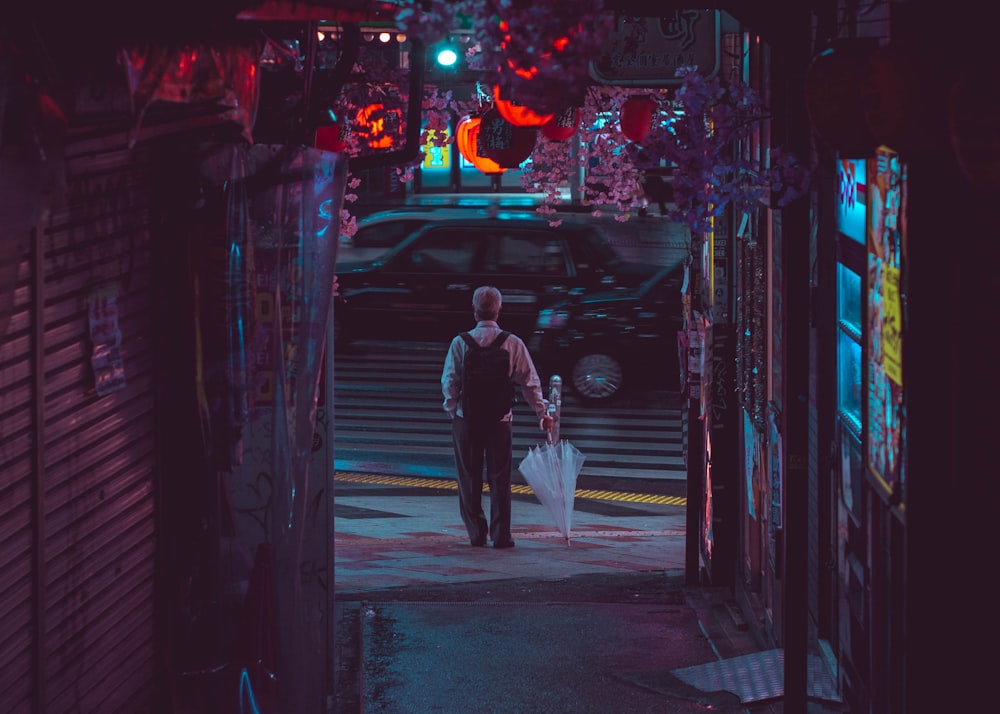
637,117
974,122
503,142
467,139
377,125
893,93
834,99
561,126
517,114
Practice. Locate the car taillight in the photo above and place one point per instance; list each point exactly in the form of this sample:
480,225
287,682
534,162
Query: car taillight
552,320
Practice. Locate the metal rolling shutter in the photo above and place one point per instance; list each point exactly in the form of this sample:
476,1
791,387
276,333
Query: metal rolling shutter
99,508
92,646
16,503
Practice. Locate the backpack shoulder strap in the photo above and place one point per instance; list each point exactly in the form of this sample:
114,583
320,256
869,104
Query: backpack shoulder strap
500,338
469,340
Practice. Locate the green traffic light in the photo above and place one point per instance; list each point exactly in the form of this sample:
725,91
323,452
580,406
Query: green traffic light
447,57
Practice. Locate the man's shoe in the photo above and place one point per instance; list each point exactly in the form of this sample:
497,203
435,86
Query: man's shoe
478,543
504,544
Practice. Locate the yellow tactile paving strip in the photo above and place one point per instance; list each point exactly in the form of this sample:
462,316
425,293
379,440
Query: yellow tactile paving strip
449,485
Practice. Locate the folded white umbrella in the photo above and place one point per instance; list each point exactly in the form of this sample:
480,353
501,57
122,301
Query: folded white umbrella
551,471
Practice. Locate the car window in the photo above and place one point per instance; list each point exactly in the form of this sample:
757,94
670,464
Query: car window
514,252
591,250
385,234
441,251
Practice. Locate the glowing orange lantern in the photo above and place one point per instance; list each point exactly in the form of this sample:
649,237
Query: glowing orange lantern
503,142
561,126
637,117
377,125
517,114
467,138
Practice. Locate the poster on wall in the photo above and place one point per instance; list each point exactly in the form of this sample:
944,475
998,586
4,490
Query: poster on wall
751,463
707,533
105,339
437,156
774,521
776,319
885,410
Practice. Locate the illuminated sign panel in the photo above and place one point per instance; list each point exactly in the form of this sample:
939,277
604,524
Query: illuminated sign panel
851,198
436,157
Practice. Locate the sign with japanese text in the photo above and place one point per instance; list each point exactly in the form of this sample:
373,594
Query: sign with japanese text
647,51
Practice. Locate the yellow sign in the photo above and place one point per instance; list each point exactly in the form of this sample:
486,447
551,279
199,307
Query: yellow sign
436,157
892,327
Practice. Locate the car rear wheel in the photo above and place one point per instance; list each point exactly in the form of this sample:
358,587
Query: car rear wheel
597,376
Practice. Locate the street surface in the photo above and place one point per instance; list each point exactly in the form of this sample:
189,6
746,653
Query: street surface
388,419
415,603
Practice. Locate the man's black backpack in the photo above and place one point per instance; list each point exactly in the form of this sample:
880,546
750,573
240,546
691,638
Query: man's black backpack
487,392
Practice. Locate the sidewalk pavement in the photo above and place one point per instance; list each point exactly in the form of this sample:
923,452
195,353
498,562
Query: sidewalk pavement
604,623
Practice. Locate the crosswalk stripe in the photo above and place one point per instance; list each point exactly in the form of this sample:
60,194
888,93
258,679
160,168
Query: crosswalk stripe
451,485
387,411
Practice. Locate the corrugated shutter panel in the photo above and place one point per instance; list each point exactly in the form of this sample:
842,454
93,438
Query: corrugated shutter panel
99,505
16,504
95,522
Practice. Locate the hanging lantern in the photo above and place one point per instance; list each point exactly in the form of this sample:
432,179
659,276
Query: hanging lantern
467,139
834,99
561,126
378,126
974,123
893,93
637,117
503,142
517,114
557,46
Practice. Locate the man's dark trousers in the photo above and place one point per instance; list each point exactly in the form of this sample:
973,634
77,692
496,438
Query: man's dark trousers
473,448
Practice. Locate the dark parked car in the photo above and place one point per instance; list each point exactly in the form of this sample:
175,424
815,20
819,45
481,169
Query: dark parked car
603,342
379,232
422,288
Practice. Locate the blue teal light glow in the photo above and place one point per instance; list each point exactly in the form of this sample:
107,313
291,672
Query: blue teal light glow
447,57
246,694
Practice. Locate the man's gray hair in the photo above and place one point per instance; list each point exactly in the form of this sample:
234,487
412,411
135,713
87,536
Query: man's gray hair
486,301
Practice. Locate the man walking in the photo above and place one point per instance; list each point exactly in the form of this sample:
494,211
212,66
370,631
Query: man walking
487,441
